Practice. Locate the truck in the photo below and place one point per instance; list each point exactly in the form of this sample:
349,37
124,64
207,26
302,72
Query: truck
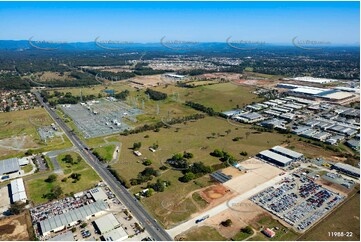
202,219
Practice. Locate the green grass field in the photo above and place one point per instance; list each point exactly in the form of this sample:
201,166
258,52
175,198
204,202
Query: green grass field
241,236
204,233
27,168
36,188
106,152
18,132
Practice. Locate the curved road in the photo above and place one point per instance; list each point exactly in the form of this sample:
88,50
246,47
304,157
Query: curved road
150,224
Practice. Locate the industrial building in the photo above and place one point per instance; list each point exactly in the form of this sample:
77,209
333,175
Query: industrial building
249,117
9,166
18,193
107,223
67,236
347,169
60,222
98,194
274,158
118,234
287,152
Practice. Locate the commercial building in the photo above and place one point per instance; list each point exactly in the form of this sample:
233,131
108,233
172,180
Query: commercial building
67,236
287,152
249,117
107,223
354,144
9,166
18,193
274,158
269,233
347,169
98,194
313,80
118,234
59,222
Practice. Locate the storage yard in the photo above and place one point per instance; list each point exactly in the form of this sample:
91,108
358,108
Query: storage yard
103,117
298,200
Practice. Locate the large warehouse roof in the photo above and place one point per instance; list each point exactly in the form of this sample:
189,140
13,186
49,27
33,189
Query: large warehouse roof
18,190
107,223
287,152
9,165
118,234
348,167
275,156
64,219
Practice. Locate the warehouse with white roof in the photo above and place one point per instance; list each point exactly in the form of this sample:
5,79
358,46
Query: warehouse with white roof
287,152
274,158
18,193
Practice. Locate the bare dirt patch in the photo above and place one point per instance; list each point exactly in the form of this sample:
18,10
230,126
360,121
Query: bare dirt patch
214,192
14,228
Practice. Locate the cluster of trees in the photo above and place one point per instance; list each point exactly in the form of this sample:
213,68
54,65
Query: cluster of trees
10,82
147,162
113,76
148,71
144,176
137,145
75,176
122,95
159,185
202,108
226,223
16,208
155,95
62,98
224,156
180,160
51,178
54,193
194,171
69,159
158,125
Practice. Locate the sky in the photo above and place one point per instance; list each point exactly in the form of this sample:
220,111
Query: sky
269,22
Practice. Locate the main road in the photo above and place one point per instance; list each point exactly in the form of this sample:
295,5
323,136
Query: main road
150,224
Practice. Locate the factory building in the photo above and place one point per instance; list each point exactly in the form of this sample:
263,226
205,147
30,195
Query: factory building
9,166
249,117
347,169
274,158
287,152
18,193
107,223
60,222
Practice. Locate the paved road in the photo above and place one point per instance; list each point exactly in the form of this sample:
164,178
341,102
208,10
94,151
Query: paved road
151,226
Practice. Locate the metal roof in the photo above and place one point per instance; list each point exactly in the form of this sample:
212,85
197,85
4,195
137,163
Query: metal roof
68,236
9,165
287,152
118,234
20,196
107,223
17,186
347,167
220,176
274,156
98,194
64,219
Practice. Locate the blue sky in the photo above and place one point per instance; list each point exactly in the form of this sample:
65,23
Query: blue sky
271,22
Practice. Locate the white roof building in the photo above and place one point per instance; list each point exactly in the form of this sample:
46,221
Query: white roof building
107,223
18,190
118,234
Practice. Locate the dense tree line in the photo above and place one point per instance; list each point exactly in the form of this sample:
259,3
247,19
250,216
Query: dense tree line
9,82
202,108
155,95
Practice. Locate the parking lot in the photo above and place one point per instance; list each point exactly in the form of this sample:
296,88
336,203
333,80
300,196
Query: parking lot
103,117
298,200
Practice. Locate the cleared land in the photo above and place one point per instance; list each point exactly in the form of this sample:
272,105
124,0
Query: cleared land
18,133
106,152
203,233
259,173
15,228
344,219
38,187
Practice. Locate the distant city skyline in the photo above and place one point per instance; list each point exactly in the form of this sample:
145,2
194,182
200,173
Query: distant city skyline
334,23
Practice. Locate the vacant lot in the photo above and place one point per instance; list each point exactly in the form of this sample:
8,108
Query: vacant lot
203,233
14,228
18,132
38,187
345,219
106,152
259,173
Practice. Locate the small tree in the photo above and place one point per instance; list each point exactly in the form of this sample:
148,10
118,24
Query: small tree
51,178
147,162
226,223
247,230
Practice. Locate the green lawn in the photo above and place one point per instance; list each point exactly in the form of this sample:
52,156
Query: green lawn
36,188
106,152
241,236
27,168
